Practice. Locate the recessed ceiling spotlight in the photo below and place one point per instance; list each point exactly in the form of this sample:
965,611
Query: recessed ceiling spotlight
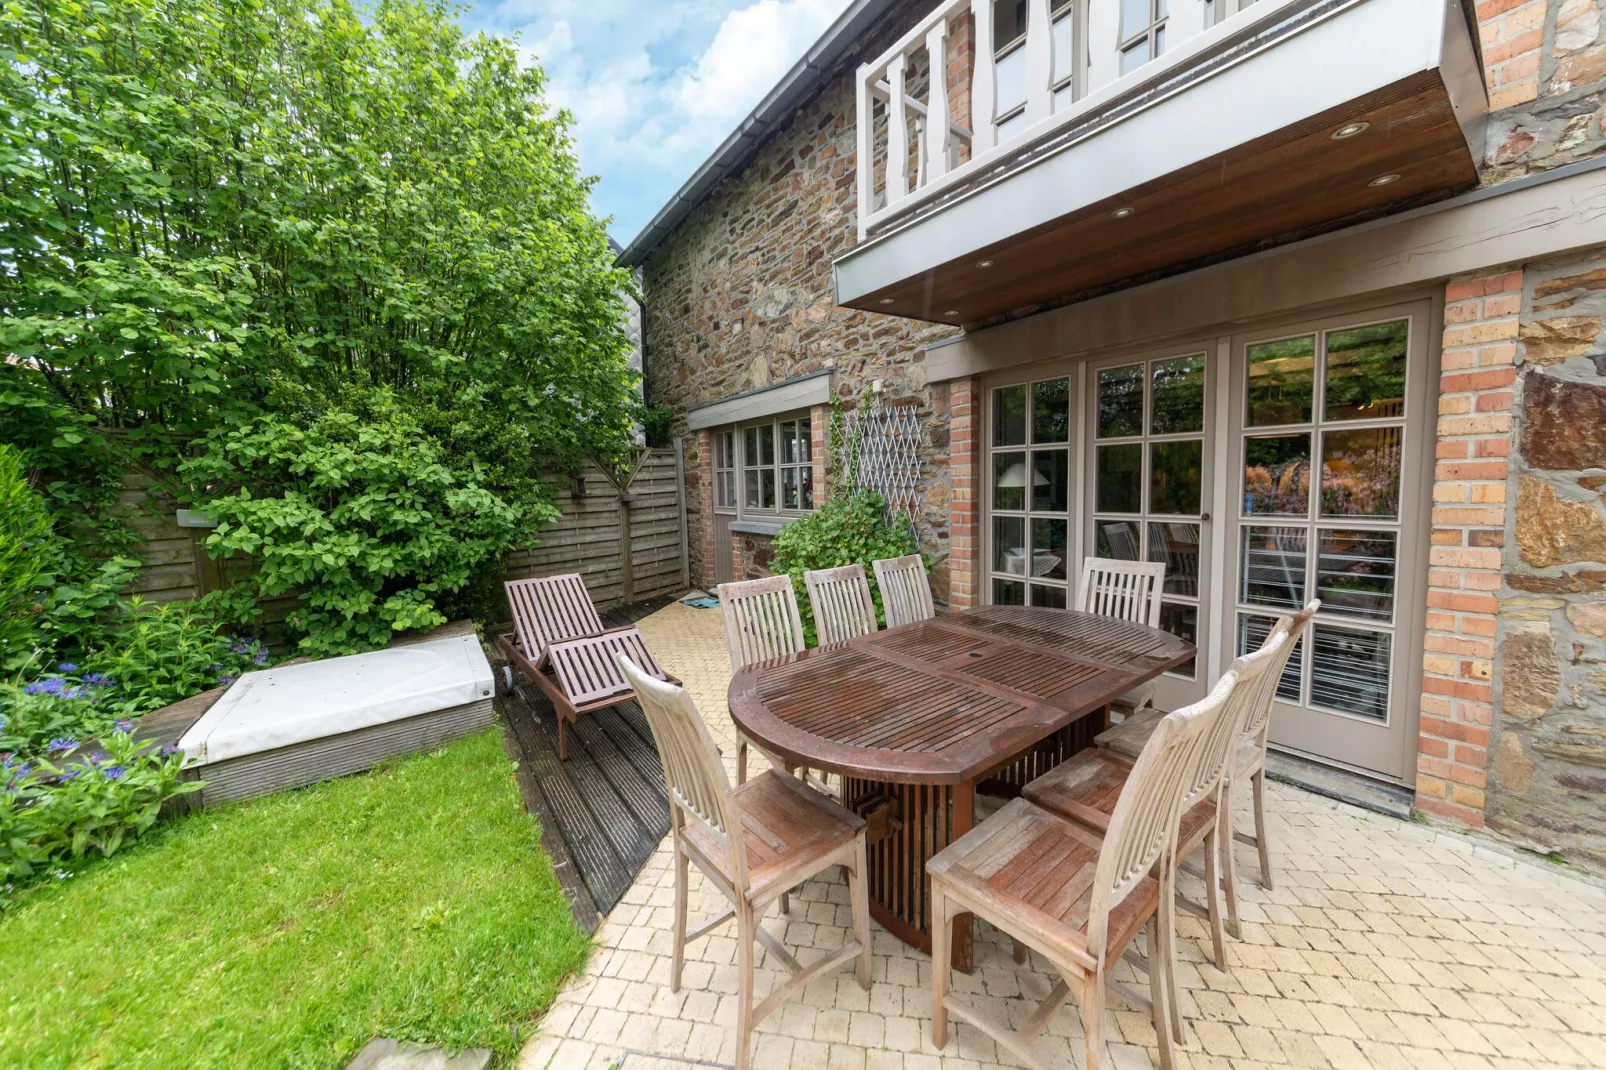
886,300
984,263
1349,130
1121,213
1383,180
951,312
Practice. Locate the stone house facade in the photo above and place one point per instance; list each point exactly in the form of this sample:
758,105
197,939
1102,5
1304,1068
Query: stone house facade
1507,711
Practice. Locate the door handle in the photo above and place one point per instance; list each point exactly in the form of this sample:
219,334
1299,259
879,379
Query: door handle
1204,518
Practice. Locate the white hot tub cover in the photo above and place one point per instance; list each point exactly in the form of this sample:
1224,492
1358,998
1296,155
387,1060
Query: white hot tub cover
293,704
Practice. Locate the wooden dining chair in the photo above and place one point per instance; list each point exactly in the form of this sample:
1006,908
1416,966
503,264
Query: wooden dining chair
905,590
1087,788
840,598
1076,896
1249,758
752,842
1129,591
761,622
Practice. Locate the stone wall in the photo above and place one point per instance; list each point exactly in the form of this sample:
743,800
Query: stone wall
1548,783
740,295
1546,72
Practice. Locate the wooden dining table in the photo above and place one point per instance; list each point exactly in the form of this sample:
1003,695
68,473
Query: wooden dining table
917,719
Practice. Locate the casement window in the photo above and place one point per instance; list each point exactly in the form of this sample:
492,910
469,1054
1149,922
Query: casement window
1009,66
1142,32
765,468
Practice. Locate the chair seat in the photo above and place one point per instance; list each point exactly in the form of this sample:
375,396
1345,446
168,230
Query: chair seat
785,824
1030,872
587,672
1129,737
1086,787
1248,758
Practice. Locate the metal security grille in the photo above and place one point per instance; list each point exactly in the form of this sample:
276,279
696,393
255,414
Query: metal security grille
879,451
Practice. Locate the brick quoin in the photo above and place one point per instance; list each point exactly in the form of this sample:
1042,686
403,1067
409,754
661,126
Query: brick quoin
964,550
705,506
1469,494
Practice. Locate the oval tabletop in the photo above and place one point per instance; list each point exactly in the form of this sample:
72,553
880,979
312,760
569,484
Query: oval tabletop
946,699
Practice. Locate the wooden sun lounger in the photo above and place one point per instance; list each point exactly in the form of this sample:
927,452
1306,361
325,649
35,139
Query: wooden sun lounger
559,644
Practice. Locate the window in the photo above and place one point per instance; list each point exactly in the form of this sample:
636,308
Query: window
724,469
776,464
1149,492
1030,462
1009,66
1066,77
1321,513
1142,32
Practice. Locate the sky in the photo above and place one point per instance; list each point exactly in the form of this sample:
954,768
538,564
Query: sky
654,87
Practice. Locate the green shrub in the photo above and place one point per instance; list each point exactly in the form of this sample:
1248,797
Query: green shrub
842,531
167,651
24,557
360,515
54,813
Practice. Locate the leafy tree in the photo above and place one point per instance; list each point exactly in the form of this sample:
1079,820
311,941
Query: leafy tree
24,528
223,216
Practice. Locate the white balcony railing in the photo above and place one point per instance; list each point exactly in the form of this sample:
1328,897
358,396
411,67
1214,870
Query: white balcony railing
916,136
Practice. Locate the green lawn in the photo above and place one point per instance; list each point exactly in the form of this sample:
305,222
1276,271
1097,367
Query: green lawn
412,902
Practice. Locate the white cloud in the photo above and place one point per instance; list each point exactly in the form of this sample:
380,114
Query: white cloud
654,88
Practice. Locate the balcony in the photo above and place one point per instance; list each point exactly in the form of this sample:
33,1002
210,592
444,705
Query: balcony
1100,143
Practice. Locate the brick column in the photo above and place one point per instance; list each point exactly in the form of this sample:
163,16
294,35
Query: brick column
1469,515
1512,32
964,472
819,437
705,507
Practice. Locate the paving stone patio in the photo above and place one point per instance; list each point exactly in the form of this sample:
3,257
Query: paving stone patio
1384,944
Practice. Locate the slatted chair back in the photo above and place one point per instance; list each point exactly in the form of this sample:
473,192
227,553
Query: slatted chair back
1125,590
843,608
694,776
761,620
550,609
905,591
1221,740
1144,823
1259,715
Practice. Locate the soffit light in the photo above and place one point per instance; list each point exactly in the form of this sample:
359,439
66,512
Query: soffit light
1384,180
886,300
951,312
1349,130
1121,213
984,263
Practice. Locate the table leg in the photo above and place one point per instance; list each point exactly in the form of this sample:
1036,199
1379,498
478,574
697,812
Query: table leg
908,824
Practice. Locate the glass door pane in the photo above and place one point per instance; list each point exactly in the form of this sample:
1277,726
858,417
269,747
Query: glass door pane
1147,431
1029,493
1327,405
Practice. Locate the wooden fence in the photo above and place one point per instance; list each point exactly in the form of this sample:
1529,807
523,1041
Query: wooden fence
599,521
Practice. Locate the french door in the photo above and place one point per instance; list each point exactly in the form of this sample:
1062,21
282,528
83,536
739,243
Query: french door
1110,458
1329,423
1265,469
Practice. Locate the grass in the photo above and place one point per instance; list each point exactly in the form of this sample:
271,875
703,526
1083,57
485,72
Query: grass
413,902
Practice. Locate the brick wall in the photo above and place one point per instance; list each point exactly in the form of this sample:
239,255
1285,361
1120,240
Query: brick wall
700,510
964,460
1464,562
1512,33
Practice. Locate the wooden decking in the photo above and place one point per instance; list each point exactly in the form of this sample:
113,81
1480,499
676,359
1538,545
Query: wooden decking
603,812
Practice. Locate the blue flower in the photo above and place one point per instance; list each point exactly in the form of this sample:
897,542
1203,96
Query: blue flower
96,679
241,646
124,724
168,750
67,666
50,685
74,693
261,658
112,772
226,678
71,774
62,743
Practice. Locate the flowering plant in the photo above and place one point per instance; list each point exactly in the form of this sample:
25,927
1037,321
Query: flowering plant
60,807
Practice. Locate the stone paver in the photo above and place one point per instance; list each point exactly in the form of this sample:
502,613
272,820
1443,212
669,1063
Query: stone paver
1384,944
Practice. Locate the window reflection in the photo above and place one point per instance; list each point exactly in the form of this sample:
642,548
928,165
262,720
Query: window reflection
1181,621
1282,381
1121,401
1048,549
1355,573
1117,539
1361,472
1178,386
1277,474
1009,481
1009,416
1272,566
1177,545
1252,632
1176,473
1366,372
1051,411
1050,480
1350,671
1009,545
1120,479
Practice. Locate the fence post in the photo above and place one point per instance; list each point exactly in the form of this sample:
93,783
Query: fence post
627,552
680,513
